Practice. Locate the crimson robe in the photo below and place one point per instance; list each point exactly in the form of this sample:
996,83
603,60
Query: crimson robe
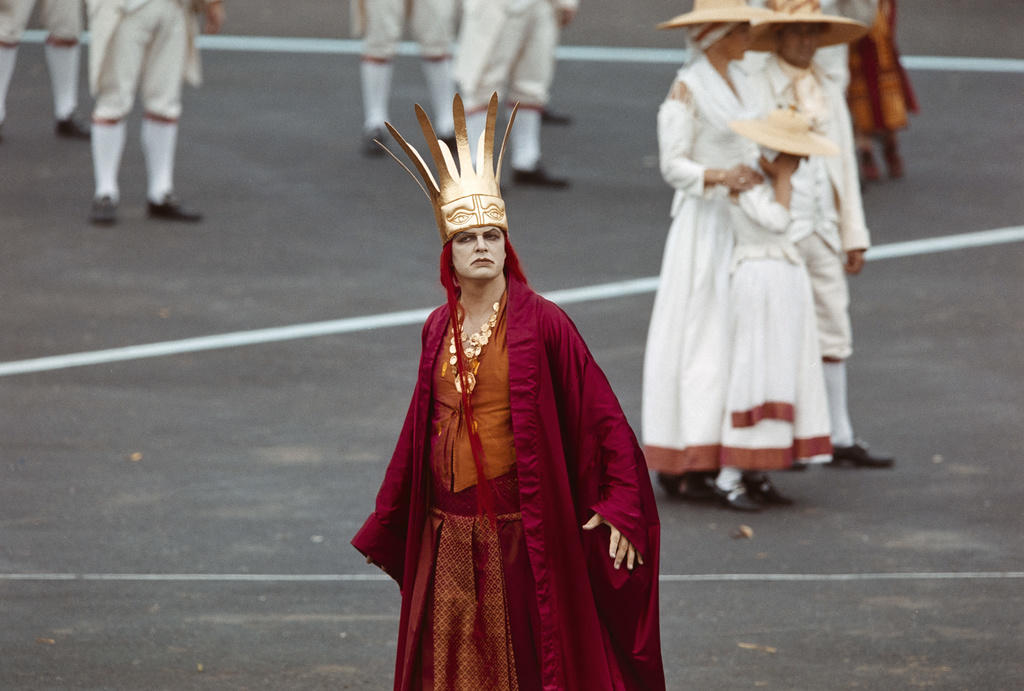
575,455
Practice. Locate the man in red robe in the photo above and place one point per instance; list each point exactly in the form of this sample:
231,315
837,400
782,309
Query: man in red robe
556,601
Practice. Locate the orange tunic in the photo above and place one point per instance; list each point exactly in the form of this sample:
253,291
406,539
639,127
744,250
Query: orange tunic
451,455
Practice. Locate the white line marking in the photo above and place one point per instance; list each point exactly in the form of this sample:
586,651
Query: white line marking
670,56
378,577
604,291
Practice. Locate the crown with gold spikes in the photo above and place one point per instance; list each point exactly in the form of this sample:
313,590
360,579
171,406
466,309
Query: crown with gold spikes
463,196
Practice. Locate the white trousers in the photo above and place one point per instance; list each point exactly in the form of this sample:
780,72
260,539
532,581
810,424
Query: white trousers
506,47
147,53
831,297
431,23
62,18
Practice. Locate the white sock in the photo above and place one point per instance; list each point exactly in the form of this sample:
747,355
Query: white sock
8,56
441,85
729,477
158,143
63,64
475,124
839,416
107,146
524,141
376,79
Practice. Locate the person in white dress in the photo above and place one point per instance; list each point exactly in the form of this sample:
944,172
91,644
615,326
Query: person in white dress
685,362
63,20
827,225
776,412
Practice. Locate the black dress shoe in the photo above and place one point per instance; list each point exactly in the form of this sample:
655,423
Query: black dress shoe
73,126
858,456
170,209
370,147
760,489
538,177
550,117
737,499
104,212
691,486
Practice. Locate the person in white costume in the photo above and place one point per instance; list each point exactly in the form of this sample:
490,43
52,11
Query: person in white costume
508,46
776,412
147,46
686,358
63,20
827,214
380,23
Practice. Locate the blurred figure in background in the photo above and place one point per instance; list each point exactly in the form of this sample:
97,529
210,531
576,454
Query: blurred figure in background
880,94
508,46
146,45
827,214
380,23
63,19
704,161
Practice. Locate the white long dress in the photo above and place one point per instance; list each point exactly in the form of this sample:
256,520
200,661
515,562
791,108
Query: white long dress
776,410
685,363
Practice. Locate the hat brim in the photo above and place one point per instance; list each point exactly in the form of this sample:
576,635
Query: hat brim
725,14
803,144
837,29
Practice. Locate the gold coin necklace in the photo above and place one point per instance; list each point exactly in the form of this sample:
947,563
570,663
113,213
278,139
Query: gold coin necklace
472,351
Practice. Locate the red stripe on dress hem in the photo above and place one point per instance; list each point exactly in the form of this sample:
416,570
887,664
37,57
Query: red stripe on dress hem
106,121
159,118
61,42
769,410
675,461
5,44
775,459
377,61
436,58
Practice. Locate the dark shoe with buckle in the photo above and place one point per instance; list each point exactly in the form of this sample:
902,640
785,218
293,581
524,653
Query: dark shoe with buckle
550,117
104,211
370,147
760,489
73,126
538,177
170,209
737,499
858,456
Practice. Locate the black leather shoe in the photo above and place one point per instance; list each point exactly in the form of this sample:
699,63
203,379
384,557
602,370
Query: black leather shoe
73,126
538,177
737,499
104,212
170,209
760,489
371,148
550,117
691,486
859,457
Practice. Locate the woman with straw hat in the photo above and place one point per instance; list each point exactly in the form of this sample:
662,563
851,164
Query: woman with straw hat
685,367
776,412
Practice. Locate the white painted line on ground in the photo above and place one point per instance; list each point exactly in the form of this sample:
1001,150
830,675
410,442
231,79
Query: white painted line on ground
661,56
664,578
604,291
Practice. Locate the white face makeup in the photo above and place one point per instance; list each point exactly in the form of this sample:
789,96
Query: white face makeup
478,254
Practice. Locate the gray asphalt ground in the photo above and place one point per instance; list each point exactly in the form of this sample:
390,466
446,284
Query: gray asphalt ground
265,459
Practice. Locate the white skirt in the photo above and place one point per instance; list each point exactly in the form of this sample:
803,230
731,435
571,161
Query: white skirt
776,409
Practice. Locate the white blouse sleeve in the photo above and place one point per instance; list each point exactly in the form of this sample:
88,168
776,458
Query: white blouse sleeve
676,131
759,204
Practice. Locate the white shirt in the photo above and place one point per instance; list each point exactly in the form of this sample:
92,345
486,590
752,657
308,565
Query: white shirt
812,207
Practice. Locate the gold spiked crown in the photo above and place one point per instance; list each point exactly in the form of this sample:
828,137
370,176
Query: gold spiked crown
463,196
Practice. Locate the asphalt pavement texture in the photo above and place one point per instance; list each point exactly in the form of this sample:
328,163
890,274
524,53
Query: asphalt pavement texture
164,520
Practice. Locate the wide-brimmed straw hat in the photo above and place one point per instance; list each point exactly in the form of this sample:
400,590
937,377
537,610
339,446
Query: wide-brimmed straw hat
787,131
837,29
712,11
